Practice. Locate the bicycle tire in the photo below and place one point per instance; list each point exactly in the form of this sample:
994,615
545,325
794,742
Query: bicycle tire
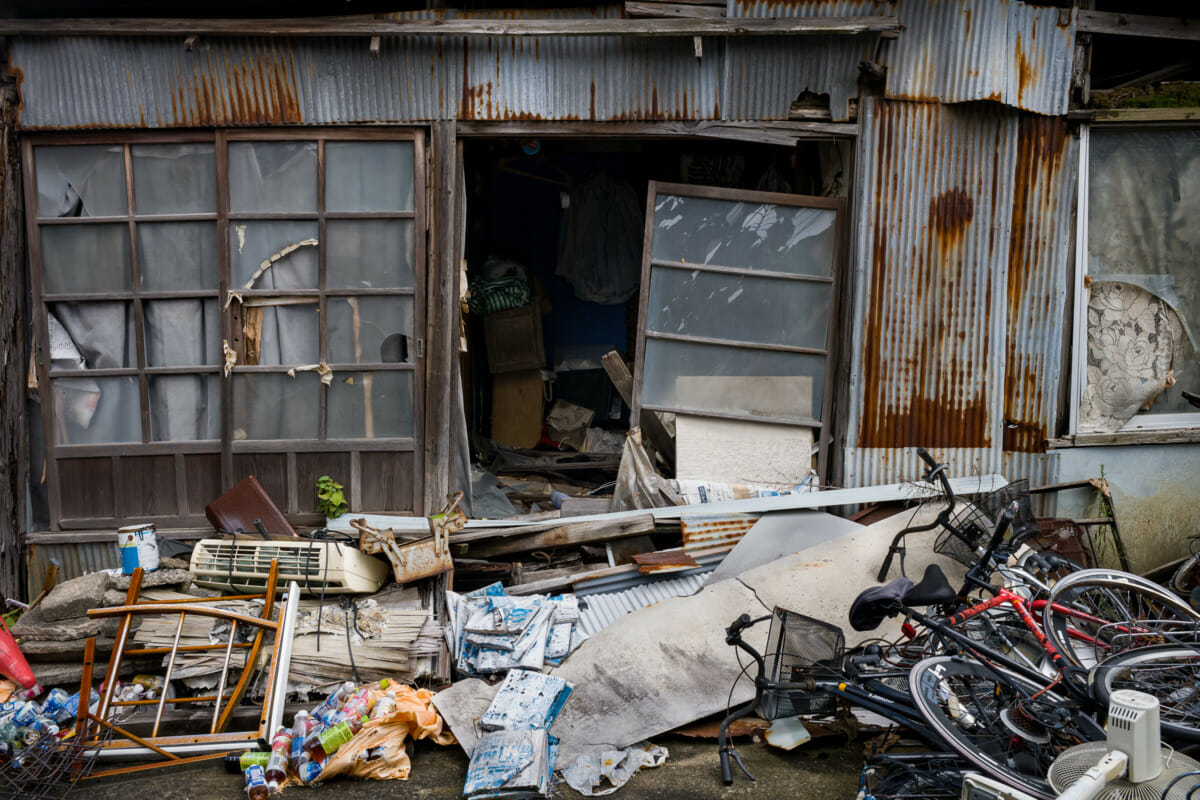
1169,673
1114,597
987,716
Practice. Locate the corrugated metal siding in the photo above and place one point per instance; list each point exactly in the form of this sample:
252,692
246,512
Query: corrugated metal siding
764,75
73,561
598,611
949,52
962,254
999,50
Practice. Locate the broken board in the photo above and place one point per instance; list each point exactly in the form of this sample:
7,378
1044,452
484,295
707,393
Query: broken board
741,452
517,408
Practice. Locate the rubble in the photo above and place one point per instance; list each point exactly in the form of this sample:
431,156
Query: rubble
73,598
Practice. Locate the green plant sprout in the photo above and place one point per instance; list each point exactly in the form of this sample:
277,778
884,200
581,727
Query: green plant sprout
331,500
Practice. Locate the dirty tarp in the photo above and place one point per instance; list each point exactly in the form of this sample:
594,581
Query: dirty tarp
667,665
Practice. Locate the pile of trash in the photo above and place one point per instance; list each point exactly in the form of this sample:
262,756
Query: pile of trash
491,632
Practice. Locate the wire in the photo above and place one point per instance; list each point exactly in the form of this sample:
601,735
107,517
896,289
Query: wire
1177,779
347,603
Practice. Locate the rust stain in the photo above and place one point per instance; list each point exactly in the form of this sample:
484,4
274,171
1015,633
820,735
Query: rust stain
947,406
465,110
1041,146
592,106
1026,73
951,211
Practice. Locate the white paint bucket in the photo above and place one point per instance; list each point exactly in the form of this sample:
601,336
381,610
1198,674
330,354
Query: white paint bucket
139,548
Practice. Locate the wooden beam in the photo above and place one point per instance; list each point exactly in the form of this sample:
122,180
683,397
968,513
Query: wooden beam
1136,114
651,425
1181,436
1138,25
640,8
358,26
568,535
783,133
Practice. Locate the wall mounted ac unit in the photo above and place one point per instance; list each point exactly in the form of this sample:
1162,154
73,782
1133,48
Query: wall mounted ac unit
243,566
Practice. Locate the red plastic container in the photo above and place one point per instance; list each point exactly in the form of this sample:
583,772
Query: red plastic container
12,662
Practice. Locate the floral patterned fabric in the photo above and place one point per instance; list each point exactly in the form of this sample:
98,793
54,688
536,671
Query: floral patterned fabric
1135,341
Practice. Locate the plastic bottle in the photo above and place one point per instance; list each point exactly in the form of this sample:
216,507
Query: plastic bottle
302,727
321,746
240,762
310,771
358,705
335,700
8,730
54,703
276,770
45,726
256,784
26,714
71,707
385,706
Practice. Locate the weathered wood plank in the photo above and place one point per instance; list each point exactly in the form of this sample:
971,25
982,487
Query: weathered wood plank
637,8
14,455
357,26
1137,114
651,425
1138,25
1180,436
568,535
780,132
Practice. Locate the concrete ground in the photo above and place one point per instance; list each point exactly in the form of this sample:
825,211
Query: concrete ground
692,771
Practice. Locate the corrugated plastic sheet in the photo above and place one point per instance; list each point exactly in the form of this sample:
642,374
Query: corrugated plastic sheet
950,51
961,260
603,609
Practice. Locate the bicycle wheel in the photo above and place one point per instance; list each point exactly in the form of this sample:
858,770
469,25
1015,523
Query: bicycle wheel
1096,613
1003,724
1168,672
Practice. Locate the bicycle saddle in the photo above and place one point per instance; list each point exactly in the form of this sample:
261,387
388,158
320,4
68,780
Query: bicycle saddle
933,590
872,605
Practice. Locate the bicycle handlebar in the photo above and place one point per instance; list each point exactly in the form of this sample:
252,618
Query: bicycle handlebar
936,472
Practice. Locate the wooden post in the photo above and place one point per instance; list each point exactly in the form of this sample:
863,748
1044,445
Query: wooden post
442,321
14,455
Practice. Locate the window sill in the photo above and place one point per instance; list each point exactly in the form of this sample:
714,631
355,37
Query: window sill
1171,436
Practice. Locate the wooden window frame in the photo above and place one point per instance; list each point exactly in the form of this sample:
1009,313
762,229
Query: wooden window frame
224,447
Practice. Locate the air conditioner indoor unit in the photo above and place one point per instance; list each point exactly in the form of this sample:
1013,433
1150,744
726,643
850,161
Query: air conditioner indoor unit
244,566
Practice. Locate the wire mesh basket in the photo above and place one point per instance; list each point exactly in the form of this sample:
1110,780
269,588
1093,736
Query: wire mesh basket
799,648
915,776
49,769
972,524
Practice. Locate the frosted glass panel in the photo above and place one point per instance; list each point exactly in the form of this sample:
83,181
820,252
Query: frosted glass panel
85,258
174,178
703,377
251,243
87,181
369,254
763,236
97,410
368,176
177,256
272,176
275,406
720,306
369,330
370,405
182,333
185,407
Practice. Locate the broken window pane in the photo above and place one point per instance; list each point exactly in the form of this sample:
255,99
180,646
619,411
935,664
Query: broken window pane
736,380
369,330
182,333
275,406
85,258
177,256
1143,305
370,405
101,333
368,176
174,178
737,307
272,177
369,254
185,408
268,255
285,335
762,236
97,410
81,181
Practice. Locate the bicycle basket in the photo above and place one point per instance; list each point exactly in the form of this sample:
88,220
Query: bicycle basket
973,524
800,647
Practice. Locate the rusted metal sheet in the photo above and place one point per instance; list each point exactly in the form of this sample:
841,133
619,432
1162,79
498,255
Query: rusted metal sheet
73,560
962,257
703,532
1039,265
1003,50
950,51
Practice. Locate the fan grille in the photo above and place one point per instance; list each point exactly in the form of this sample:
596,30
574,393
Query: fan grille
1073,763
